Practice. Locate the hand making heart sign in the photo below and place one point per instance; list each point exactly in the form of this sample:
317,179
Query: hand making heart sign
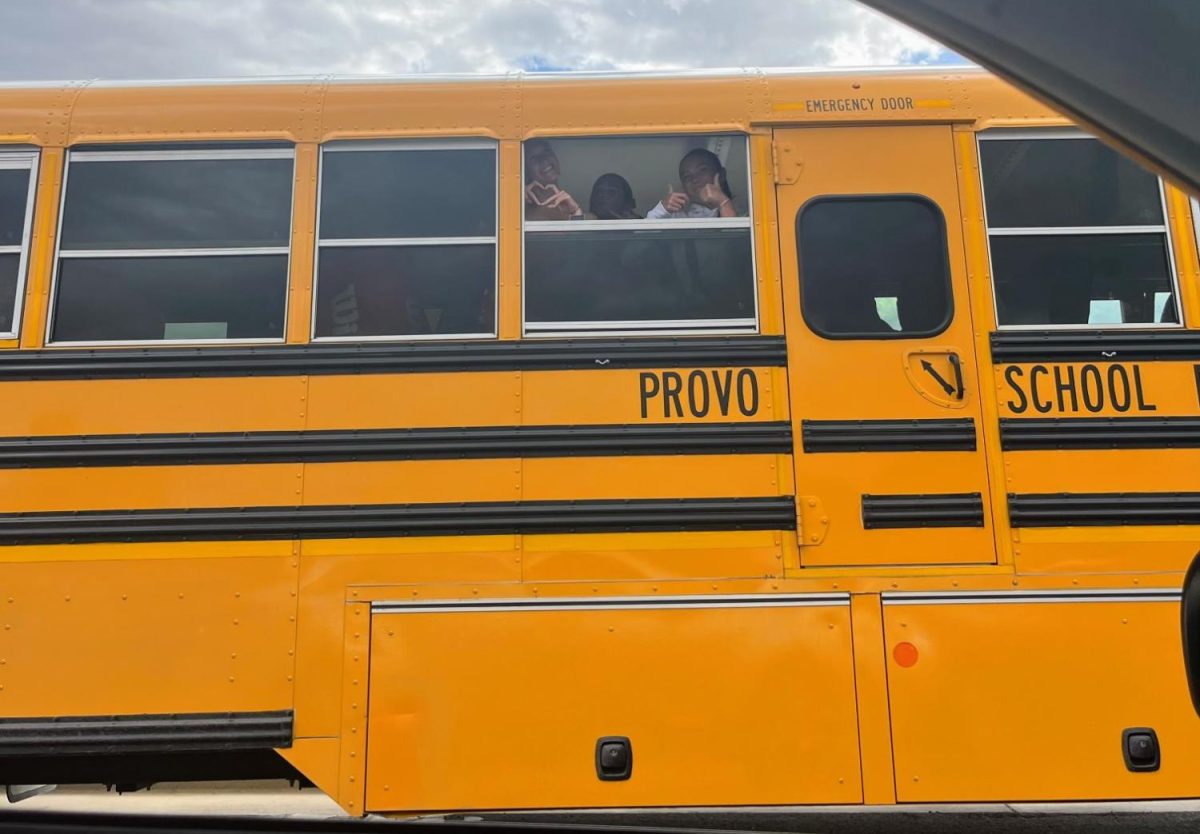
551,202
544,200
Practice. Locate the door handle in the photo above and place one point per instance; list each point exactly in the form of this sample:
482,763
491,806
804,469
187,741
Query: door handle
956,364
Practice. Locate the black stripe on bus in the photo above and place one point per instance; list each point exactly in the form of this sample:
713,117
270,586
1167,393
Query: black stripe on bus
1103,509
942,435
380,358
396,444
95,734
1099,433
1094,345
385,520
958,509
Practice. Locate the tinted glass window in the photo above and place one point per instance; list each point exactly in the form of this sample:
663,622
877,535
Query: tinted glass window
639,277
16,186
1039,192
1083,279
177,203
1065,182
126,299
410,193
14,195
873,267
435,284
406,291
9,264
213,204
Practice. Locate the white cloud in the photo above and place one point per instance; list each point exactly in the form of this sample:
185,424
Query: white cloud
56,39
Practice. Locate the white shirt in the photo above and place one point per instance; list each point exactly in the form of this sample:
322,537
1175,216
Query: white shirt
659,212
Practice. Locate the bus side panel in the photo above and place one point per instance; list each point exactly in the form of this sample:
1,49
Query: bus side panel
1149,459
504,708
165,633
329,566
1027,700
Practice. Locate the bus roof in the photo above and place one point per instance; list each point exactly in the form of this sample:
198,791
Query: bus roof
511,106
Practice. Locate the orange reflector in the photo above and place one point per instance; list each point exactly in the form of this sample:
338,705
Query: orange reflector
905,654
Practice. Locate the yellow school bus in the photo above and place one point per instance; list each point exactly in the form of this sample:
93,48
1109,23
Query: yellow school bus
550,441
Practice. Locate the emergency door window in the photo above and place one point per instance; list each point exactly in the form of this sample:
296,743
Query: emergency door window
1077,233
631,235
873,267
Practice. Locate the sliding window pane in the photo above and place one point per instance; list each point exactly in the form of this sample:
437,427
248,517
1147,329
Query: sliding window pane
406,291
404,194
185,298
9,264
177,204
14,194
703,275
1083,279
1065,182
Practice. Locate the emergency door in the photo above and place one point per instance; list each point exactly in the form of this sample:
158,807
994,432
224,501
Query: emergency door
884,390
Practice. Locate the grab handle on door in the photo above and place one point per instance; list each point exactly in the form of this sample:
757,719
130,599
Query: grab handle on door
956,363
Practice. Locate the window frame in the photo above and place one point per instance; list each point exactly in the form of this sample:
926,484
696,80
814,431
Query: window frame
401,144
944,250
1071,134
649,327
192,152
19,158
1194,203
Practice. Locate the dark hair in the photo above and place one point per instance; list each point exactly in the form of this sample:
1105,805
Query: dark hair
621,184
713,160
532,145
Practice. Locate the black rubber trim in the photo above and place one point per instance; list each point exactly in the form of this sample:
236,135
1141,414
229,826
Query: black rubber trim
383,520
1099,433
377,358
1094,345
396,444
959,509
1189,626
942,435
1103,509
145,733
133,770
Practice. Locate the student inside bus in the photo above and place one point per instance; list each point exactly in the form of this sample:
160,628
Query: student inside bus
544,200
612,199
706,191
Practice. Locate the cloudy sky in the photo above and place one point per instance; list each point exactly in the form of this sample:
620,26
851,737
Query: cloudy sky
76,39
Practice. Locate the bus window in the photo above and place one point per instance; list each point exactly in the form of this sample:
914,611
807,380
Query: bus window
173,245
636,235
16,211
406,241
873,267
1076,232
